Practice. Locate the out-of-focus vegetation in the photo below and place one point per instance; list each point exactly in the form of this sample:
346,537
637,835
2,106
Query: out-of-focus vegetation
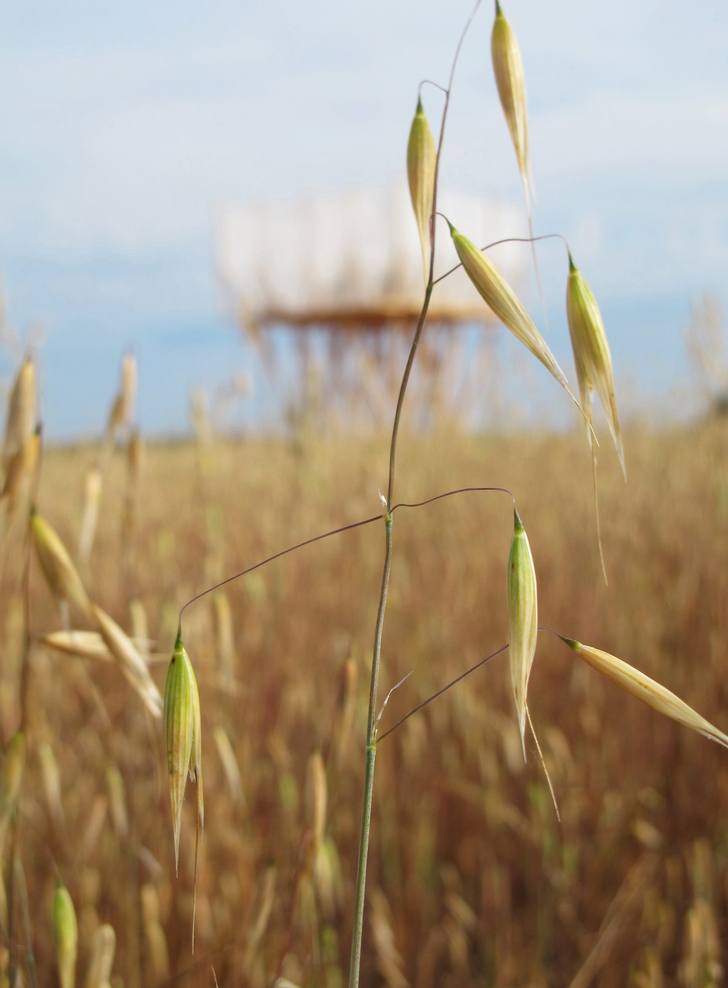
472,879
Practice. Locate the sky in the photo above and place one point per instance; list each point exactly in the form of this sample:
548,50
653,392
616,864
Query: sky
124,126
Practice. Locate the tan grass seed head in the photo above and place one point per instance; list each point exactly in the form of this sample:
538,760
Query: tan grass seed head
421,165
592,357
647,690
511,84
522,619
58,569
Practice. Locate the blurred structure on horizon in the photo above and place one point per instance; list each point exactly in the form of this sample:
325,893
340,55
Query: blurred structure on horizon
340,276
705,343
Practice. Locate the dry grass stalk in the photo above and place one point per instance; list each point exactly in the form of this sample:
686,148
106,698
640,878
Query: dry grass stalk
646,689
130,661
102,957
60,573
229,764
224,634
117,802
65,932
389,960
51,782
421,164
84,644
261,917
522,619
11,777
156,942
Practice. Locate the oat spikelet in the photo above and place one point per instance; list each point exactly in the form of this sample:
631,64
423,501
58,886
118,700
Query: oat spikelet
183,734
102,957
65,932
646,689
511,83
91,505
316,798
84,644
421,164
21,412
501,298
522,619
58,569
591,354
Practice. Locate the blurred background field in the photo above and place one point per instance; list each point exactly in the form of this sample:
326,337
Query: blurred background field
472,879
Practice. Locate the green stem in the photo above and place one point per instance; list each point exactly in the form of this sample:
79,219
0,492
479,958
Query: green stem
366,813
366,810
361,873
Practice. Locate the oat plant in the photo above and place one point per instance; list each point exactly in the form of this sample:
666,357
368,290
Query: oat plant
594,374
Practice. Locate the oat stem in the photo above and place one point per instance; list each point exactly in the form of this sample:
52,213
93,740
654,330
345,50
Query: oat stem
371,751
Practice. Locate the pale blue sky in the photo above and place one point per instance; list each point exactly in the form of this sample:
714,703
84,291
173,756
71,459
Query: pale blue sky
124,124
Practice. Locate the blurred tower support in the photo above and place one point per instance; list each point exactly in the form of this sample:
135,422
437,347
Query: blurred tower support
340,275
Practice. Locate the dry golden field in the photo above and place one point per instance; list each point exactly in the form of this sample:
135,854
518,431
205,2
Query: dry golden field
472,880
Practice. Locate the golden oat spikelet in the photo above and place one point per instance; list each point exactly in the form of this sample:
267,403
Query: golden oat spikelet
421,166
646,689
511,84
21,412
592,357
495,290
91,506
102,957
65,932
182,730
522,619
58,569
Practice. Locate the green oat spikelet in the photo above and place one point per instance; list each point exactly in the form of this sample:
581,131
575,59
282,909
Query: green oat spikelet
591,354
646,689
522,619
65,932
421,165
58,569
511,84
495,290
183,736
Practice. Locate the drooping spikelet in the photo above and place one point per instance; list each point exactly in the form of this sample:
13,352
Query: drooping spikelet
84,644
509,78
496,291
646,689
183,735
58,569
21,412
132,664
65,933
522,619
421,164
591,353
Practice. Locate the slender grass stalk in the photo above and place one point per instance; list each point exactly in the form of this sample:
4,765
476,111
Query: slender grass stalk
366,815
